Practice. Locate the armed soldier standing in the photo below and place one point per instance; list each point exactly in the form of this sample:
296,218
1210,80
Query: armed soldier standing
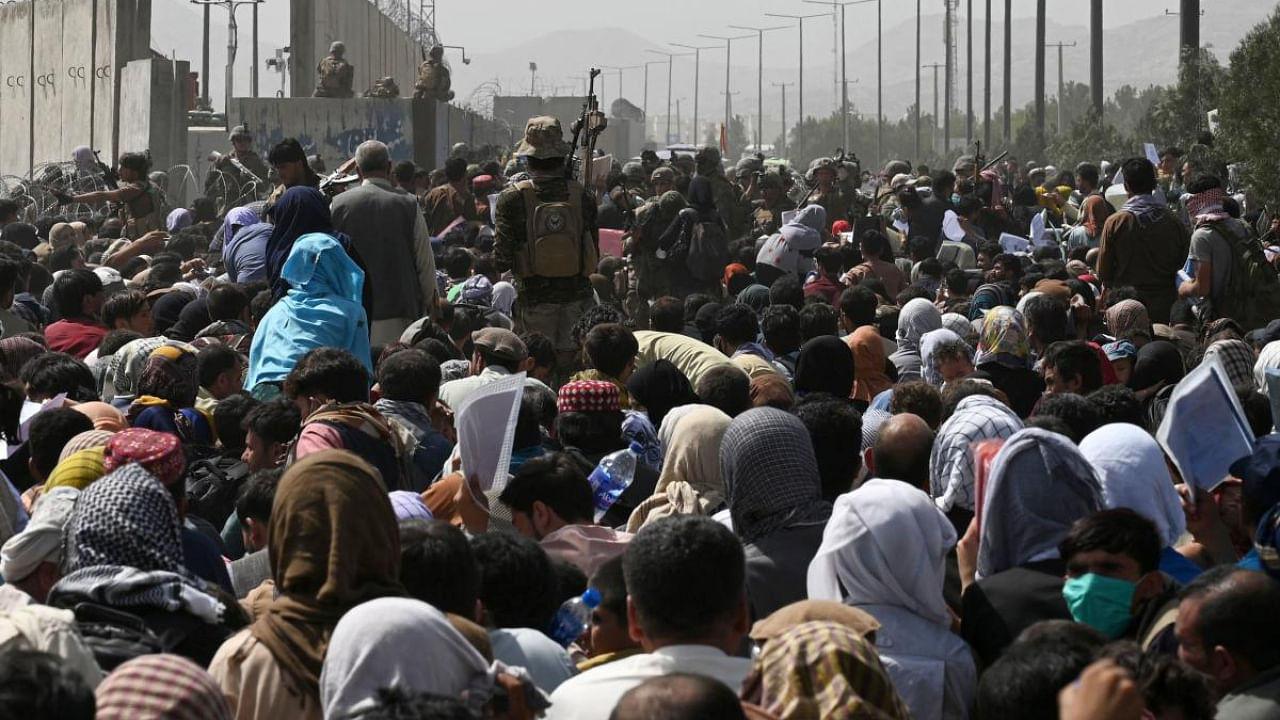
334,74
142,206
766,213
546,234
728,200
827,193
239,177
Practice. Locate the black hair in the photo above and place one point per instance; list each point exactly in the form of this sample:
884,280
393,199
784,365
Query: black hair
918,398
952,350
1080,415
817,319
42,685
1237,612
1202,182
786,290
404,171
72,287
835,429
684,575
1088,172
529,422
1117,403
874,243
257,495
828,258
859,303
1119,531
961,389
1169,686
942,178
457,263
780,325
438,566
51,373
1072,359
332,372
136,162
727,388
1139,175
557,481
123,305
596,432
541,349
609,348
8,209
909,293
919,247
455,168
214,360
277,421
1025,681
611,583
227,302
63,258
114,340
679,696
50,431
693,303
571,581
410,375
260,304
596,315
737,324
287,150
517,585
666,314
228,419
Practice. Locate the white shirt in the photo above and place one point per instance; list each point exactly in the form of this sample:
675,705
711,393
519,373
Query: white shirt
593,694
455,392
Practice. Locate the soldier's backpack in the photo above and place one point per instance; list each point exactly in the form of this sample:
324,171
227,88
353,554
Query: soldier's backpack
1252,297
557,245
708,252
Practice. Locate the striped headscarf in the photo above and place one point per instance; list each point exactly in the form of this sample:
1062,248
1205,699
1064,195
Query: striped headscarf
824,670
770,474
951,468
84,441
78,470
1237,359
168,687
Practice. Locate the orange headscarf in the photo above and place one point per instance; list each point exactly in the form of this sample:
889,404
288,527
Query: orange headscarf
869,379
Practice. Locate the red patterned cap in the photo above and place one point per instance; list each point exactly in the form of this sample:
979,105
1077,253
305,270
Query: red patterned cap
158,453
589,396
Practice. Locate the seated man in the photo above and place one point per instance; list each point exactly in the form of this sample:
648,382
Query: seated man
496,354
688,615
408,382
253,507
79,296
552,502
1071,367
221,372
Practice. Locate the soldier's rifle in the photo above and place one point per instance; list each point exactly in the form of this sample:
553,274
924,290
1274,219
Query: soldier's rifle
592,122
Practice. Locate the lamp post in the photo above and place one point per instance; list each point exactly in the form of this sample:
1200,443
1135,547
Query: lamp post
759,31
669,65
800,125
844,92
233,43
697,78
784,86
647,63
728,72
933,135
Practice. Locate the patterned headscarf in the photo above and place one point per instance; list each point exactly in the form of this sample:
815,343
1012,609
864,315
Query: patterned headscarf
960,325
16,352
171,374
125,519
78,470
1039,485
168,687
1128,316
822,669
84,441
158,453
914,320
770,474
1004,339
929,344
125,368
588,396
951,468
1237,359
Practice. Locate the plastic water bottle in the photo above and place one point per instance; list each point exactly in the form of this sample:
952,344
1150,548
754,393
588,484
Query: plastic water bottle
613,476
574,617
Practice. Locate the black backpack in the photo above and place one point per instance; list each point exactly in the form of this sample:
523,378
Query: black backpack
115,636
212,485
1252,296
708,252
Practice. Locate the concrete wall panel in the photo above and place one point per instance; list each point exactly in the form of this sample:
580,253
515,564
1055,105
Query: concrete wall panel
77,68
375,46
105,72
15,89
50,83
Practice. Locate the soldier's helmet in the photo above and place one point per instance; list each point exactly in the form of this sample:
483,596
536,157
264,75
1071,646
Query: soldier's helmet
240,133
770,180
633,171
748,165
543,139
437,52
337,48
822,164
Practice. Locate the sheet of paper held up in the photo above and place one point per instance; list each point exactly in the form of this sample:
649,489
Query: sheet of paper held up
29,411
486,427
1014,243
1204,429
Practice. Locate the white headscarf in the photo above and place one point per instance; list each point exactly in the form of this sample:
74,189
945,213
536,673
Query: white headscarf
914,320
1131,468
960,325
1039,485
398,642
43,537
951,471
504,297
928,344
1268,358
885,544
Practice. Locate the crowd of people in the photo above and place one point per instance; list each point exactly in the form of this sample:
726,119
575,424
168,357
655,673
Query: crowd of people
818,444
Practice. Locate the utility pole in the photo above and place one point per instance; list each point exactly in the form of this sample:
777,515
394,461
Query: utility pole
1095,56
933,135
759,31
844,73
253,69
968,71
1040,47
728,73
986,84
1188,33
233,43
204,60
620,70
784,86
948,32
800,125
646,88
1008,72
917,81
1061,84
697,77
667,140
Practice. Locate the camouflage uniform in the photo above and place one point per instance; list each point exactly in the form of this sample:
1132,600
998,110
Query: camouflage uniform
385,88
767,219
434,81
549,305
728,199
145,212
334,74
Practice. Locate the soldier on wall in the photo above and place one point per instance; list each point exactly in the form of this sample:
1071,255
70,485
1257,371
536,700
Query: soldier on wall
334,74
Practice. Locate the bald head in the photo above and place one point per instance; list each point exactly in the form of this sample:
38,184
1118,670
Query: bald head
679,696
902,450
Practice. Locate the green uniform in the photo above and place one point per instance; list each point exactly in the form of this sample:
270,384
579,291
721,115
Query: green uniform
767,220
511,229
729,205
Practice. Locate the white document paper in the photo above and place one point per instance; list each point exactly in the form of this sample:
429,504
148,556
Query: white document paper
486,427
1273,392
951,226
1152,154
493,208
1204,428
1037,229
1014,243
789,215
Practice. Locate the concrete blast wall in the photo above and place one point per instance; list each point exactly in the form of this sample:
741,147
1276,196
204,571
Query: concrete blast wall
59,76
375,46
153,110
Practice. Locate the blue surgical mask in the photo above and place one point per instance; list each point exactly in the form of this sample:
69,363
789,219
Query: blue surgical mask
955,198
1100,602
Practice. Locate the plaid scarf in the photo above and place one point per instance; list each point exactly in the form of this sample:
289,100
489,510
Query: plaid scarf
1206,207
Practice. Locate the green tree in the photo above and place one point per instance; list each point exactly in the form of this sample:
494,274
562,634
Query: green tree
1248,110
1178,114
1091,140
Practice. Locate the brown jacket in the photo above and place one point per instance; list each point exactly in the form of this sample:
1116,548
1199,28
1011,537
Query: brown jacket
444,204
1147,257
